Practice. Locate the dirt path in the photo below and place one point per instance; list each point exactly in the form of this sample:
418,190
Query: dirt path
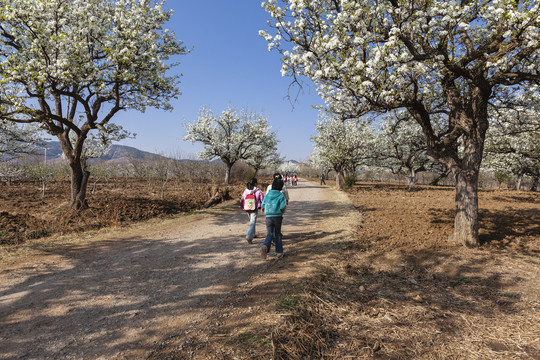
119,293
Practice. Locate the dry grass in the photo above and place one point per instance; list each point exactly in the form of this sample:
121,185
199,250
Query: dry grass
395,294
396,289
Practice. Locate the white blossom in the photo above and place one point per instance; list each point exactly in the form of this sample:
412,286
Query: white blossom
90,58
232,136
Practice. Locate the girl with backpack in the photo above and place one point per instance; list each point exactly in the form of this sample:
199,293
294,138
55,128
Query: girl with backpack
251,201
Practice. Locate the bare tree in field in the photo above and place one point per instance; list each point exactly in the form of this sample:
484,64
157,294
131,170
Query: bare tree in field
162,171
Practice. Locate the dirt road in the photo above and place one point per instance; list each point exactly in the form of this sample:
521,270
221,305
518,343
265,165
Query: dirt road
116,294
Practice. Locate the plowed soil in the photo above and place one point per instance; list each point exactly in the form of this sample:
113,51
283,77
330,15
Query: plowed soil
367,274
28,212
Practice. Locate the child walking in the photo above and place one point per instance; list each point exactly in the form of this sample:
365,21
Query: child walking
251,201
273,206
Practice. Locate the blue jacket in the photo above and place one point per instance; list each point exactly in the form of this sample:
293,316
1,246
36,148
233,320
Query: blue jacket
274,203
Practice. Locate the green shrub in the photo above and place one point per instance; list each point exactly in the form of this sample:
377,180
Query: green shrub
349,181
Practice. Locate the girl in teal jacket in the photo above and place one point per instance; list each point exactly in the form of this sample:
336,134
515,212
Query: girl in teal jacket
273,206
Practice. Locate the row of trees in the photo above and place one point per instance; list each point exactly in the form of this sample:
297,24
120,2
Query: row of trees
157,174
444,63
70,66
397,145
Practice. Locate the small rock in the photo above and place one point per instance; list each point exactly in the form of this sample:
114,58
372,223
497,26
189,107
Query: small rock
362,288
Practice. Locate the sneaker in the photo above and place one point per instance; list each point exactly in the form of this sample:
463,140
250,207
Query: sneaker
249,240
279,255
264,250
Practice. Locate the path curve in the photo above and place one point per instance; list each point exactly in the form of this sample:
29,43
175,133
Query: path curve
118,293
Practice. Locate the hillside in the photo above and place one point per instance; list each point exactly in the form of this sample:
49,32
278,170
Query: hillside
116,153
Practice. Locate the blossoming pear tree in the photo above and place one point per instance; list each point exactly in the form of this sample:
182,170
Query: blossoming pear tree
400,147
513,139
317,162
343,144
288,167
264,157
431,58
231,136
73,65
16,139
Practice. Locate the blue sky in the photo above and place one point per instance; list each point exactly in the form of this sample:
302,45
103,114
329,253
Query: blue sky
229,65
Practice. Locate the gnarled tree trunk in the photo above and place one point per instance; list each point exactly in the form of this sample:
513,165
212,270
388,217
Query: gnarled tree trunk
466,202
534,185
339,180
79,184
77,164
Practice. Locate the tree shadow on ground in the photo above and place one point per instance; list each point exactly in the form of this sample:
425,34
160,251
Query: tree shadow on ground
100,300
401,306
500,229
106,296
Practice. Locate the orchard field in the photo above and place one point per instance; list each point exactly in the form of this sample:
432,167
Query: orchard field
26,214
396,290
404,292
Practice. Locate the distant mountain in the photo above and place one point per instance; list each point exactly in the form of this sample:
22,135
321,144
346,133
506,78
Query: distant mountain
117,153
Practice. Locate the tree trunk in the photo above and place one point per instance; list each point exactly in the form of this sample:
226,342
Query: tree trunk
412,179
79,184
466,175
519,181
466,217
339,180
228,173
77,164
534,185
468,120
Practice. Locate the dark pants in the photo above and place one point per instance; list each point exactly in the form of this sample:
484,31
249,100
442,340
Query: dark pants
273,233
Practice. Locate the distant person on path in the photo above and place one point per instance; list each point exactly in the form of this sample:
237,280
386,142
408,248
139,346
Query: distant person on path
283,191
273,206
322,179
251,201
